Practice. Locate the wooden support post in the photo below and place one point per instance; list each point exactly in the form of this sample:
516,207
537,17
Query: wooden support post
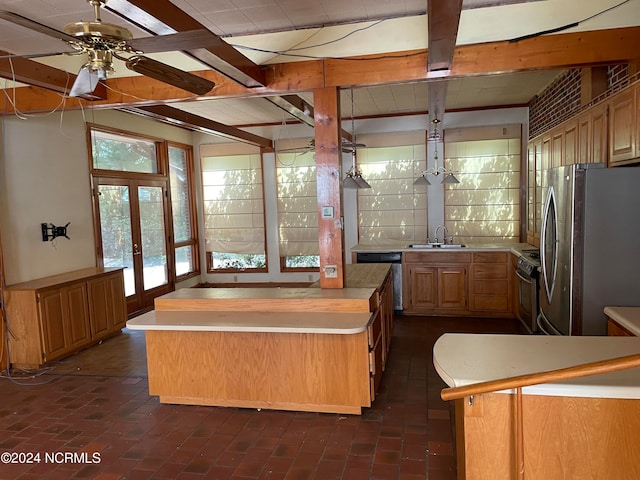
329,175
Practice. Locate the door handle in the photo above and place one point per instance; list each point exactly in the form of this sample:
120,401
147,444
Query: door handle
136,249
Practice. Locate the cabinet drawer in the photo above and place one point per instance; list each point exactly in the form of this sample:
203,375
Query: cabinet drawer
436,257
490,257
491,287
490,271
493,303
375,329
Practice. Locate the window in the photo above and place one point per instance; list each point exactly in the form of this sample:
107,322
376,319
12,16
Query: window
234,213
393,210
183,210
118,152
485,205
297,211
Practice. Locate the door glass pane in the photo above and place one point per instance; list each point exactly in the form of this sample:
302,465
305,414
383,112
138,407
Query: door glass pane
115,225
152,233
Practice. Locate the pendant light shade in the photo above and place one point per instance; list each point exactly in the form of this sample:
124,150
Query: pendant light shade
354,177
448,176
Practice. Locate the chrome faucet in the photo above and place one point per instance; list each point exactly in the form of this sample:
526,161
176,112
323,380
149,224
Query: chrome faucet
444,236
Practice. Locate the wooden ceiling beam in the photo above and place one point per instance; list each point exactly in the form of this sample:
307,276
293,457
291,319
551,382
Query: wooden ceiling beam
175,116
443,20
162,17
550,52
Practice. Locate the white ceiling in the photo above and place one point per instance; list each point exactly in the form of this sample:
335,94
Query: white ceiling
323,28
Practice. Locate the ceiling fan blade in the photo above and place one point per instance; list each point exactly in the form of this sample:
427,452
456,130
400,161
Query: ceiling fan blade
168,74
189,40
86,82
35,26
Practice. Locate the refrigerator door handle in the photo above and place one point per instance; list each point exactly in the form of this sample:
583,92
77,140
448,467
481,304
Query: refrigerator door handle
549,277
545,326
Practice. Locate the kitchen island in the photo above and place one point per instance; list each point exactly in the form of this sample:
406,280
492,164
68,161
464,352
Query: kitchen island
307,349
587,427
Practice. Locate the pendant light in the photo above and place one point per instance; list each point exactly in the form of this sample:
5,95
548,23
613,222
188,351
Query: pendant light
354,177
448,175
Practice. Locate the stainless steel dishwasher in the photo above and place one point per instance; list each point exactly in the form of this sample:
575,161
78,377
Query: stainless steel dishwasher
395,259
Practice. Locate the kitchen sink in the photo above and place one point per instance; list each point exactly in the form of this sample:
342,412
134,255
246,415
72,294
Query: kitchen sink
436,245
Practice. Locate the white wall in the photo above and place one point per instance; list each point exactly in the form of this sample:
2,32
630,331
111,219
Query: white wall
45,179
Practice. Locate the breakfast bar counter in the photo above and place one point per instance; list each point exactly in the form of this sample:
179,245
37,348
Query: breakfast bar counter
587,427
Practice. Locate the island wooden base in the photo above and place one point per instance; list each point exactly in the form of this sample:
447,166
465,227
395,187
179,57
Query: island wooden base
285,371
564,438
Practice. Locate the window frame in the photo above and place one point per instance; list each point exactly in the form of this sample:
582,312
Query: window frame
191,186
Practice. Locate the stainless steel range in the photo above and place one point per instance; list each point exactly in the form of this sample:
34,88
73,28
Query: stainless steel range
527,272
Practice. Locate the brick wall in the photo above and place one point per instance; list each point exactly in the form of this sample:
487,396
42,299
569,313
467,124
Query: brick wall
561,100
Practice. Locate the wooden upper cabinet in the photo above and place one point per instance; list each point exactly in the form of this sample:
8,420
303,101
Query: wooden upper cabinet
570,145
622,127
557,146
584,137
599,134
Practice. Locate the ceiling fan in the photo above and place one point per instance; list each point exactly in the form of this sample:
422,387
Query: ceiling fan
102,42
347,147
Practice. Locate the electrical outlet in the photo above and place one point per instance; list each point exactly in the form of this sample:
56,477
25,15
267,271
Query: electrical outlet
331,271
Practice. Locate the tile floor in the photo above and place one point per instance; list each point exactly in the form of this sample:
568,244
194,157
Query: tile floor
89,420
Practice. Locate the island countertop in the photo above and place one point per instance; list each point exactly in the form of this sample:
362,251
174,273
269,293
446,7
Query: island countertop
255,322
465,359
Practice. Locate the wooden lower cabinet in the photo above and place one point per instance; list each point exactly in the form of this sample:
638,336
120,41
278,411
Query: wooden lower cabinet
56,316
458,283
437,289
563,437
490,285
614,329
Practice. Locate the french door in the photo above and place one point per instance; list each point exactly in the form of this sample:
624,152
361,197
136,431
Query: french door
132,217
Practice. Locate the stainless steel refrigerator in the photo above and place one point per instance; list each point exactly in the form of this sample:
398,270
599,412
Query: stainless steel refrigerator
589,247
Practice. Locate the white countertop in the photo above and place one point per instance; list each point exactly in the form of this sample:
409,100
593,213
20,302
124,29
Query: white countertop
471,247
628,317
465,359
278,322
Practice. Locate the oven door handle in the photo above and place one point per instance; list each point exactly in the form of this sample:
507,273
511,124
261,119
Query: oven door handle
526,280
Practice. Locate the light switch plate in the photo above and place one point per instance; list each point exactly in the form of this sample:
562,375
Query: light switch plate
327,212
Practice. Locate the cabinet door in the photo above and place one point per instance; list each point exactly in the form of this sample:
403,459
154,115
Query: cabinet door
570,154
557,147
622,127
77,310
107,305
585,138
452,287
599,134
423,285
52,313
